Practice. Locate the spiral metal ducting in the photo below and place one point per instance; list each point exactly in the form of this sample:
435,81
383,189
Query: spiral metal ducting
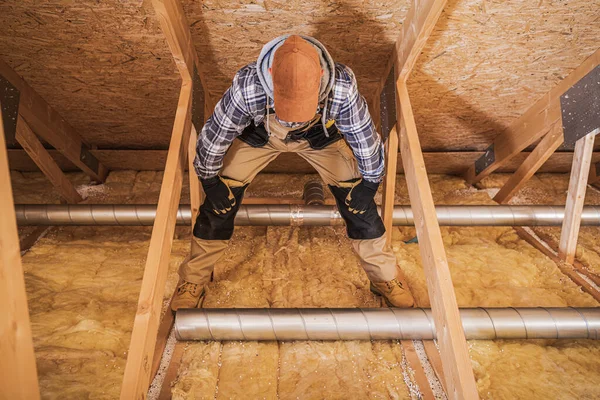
285,214
382,323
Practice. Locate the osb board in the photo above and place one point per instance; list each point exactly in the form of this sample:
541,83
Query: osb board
358,33
104,66
488,61
453,163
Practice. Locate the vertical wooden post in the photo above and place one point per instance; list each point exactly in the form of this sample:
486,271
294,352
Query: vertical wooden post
389,183
580,169
147,318
18,374
458,372
195,189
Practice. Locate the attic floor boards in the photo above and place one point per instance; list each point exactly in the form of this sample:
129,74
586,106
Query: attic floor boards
83,283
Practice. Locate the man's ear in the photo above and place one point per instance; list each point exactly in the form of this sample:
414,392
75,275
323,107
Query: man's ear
271,70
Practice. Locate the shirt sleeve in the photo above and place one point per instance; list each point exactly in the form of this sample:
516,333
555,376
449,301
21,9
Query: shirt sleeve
355,123
230,117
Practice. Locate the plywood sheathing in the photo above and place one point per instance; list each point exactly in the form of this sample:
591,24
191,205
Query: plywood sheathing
488,61
104,66
358,33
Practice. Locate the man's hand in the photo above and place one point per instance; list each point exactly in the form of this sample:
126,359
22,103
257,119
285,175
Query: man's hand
218,194
361,195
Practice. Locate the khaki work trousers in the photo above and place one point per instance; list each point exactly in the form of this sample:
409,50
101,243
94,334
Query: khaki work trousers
335,164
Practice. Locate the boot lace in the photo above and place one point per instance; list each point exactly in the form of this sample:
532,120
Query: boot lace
189,287
394,282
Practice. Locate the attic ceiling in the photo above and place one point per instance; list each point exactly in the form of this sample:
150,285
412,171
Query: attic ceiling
106,68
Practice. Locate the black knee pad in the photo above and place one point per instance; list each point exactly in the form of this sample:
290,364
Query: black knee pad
211,226
359,226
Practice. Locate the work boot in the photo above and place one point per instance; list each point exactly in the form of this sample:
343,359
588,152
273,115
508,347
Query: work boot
187,295
394,293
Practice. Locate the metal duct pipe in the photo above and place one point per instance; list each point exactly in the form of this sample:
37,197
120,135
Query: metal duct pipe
382,323
286,214
313,195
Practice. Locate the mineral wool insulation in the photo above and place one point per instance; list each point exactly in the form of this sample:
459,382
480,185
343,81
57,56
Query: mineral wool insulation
83,284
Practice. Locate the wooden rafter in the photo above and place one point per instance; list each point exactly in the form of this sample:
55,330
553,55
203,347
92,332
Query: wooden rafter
458,374
532,163
575,198
533,124
34,148
145,329
51,127
460,381
18,374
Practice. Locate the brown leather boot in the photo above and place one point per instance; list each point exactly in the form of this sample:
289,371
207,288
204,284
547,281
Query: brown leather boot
394,293
187,295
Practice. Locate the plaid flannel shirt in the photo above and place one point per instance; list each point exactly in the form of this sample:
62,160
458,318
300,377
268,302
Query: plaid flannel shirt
246,101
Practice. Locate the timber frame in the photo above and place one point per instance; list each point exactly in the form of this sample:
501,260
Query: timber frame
541,121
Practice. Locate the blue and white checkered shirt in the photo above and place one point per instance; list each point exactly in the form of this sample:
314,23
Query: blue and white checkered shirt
246,101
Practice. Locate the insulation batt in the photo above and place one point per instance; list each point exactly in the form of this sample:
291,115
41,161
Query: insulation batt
83,283
552,189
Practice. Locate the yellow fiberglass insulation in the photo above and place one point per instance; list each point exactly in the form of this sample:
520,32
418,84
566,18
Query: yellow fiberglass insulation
552,189
83,284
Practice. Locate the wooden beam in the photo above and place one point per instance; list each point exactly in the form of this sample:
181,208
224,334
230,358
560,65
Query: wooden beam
594,177
533,124
34,148
412,358
416,28
460,381
389,183
18,374
196,194
51,127
450,162
145,328
567,269
532,163
575,198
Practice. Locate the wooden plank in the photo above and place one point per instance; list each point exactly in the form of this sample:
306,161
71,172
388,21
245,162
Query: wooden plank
416,28
419,374
145,328
161,337
567,269
34,148
389,183
435,360
29,240
18,374
533,123
532,163
460,381
51,127
451,162
594,177
196,193
577,265
172,371
575,198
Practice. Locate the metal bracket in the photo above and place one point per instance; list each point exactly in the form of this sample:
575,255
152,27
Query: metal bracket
387,101
197,101
485,160
580,108
9,100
